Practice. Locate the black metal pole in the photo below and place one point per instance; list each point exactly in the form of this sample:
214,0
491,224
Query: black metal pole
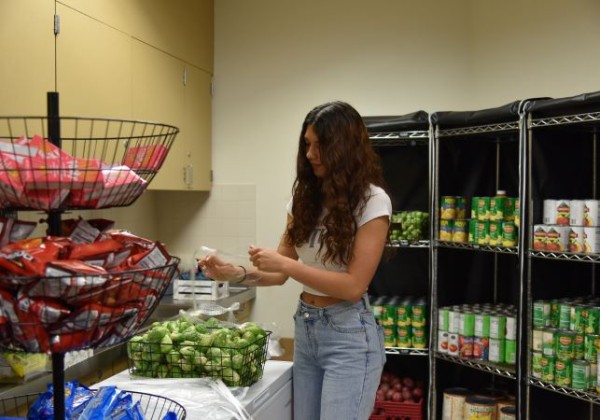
58,359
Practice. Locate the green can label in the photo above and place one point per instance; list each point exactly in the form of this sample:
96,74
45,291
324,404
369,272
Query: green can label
580,375
541,313
448,208
564,316
590,350
467,324
495,233
563,372
536,364
419,337
564,342
510,352
446,228
579,346
497,205
497,350
443,319
498,326
509,209
404,335
548,368
548,343
483,232
483,208
576,322
482,325
461,207
591,316
419,314
554,312
593,376
403,312
509,234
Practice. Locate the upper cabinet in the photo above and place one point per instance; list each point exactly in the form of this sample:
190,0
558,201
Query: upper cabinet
27,45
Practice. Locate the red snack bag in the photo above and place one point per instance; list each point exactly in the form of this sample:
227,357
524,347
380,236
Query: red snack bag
79,231
46,310
27,329
149,157
102,247
156,256
72,340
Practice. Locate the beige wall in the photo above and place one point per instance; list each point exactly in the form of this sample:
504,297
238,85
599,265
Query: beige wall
276,59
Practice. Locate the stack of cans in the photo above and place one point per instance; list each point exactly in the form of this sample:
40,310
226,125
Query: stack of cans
404,320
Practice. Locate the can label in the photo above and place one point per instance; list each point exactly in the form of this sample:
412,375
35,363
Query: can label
510,352
549,215
511,327
591,213
541,313
483,208
467,324
576,239
564,344
482,325
446,228
591,239
548,341
419,315
536,364
497,350
495,238
404,335
465,346
461,207
483,232
576,322
563,372
564,315
419,338
497,206
509,209
580,375
497,326
563,212
509,234
442,342
590,350
460,231
481,348
453,344
403,311
579,346
591,316
557,238
577,213
539,237
548,368
517,212
448,208
443,322
593,376
473,231
453,321
537,339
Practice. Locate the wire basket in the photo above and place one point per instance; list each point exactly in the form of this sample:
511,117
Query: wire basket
236,365
98,163
153,407
62,314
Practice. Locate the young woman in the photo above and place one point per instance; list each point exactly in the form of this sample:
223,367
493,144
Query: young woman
337,228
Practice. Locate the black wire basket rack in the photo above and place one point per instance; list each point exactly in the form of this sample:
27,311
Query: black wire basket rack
152,406
75,312
59,163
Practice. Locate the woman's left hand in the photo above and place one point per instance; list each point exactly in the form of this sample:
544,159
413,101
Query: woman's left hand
268,260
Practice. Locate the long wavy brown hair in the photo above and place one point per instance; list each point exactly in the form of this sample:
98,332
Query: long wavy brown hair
351,166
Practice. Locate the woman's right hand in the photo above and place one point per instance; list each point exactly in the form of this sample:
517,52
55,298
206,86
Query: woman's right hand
215,268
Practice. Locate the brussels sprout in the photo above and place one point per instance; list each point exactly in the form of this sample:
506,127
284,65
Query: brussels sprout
166,344
176,372
160,371
212,322
237,361
157,333
200,359
230,377
186,365
205,340
173,356
187,352
201,328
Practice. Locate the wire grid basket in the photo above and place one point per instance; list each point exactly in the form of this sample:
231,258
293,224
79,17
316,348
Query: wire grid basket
99,162
62,314
235,365
153,407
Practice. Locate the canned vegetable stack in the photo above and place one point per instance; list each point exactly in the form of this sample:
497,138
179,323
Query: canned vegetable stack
568,226
565,342
494,220
404,320
482,332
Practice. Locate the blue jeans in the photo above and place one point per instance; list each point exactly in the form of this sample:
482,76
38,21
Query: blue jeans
339,355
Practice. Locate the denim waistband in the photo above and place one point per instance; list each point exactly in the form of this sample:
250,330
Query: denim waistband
335,308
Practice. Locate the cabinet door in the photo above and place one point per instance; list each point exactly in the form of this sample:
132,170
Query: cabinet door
196,129
158,95
27,45
93,67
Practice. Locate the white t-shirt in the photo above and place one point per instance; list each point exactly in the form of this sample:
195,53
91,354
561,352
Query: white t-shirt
378,204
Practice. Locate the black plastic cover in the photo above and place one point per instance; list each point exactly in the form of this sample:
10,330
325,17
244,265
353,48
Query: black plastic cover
450,119
418,120
585,102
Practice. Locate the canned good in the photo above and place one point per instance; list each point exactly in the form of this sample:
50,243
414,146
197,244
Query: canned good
483,232
448,208
579,346
509,234
508,413
497,326
510,352
536,364
482,324
443,322
419,337
557,238
590,350
403,313
541,313
554,312
483,208
460,232
591,316
539,237
461,207
467,324
593,375
454,402
563,212
404,336
481,348
453,344
577,213
576,322
453,321
465,346
480,408
564,341
442,345
511,327
537,339
419,313
497,350
591,213
549,214
591,239
509,209
517,212
495,238
563,372
548,363
580,375
497,206
564,315
473,231
576,239
548,347
446,229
